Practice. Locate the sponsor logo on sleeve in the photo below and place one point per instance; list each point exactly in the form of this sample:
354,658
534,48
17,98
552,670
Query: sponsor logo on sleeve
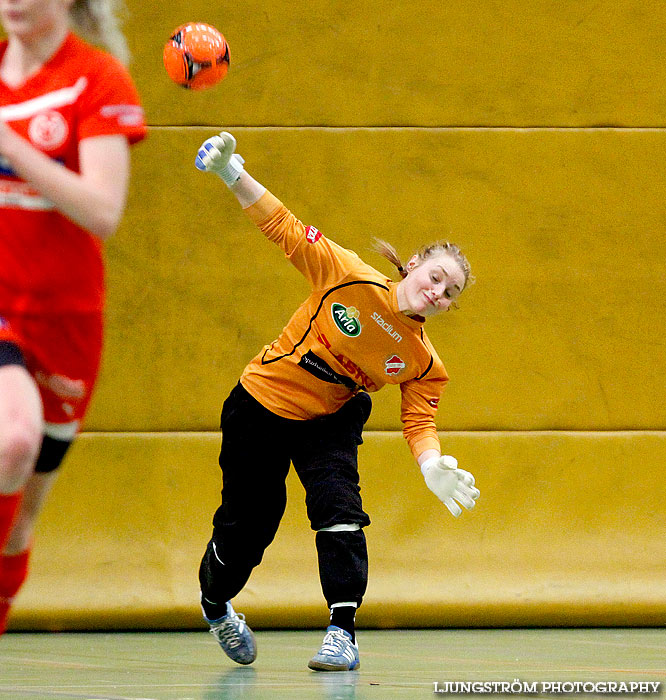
433,402
312,234
394,365
126,115
346,319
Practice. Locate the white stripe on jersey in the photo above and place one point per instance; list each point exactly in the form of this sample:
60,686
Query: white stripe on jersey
51,100
19,195
24,201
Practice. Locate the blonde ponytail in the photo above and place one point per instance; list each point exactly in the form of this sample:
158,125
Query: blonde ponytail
97,22
387,251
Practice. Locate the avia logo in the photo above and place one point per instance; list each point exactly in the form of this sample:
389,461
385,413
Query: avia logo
394,365
312,234
346,319
433,402
388,327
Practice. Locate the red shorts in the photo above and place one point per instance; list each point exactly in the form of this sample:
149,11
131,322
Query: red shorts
62,353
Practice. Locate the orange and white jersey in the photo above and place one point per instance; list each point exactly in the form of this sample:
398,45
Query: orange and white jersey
347,336
49,264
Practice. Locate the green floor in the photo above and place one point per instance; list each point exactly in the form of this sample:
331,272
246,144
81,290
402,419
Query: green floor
394,664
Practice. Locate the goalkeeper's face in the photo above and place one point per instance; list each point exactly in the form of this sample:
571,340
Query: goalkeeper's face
431,286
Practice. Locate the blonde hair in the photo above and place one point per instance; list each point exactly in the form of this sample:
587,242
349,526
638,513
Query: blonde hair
97,22
387,251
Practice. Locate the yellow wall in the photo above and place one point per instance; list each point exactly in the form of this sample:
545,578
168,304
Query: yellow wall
529,133
559,536
326,62
564,230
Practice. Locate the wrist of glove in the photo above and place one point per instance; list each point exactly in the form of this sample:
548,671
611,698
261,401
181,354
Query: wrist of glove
450,484
216,155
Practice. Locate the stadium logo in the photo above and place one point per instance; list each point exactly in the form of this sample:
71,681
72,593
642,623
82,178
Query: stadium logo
394,365
388,327
48,130
346,319
312,234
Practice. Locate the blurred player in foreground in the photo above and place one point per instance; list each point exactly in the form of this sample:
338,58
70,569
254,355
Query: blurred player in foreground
68,113
304,399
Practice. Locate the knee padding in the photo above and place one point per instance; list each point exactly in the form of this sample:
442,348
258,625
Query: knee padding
343,565
10,354
51,455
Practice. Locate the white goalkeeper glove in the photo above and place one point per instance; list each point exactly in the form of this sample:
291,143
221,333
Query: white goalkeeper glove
216,155
449,483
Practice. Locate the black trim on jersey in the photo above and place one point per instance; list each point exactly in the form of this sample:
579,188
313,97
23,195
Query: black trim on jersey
428,368
319,368
312,318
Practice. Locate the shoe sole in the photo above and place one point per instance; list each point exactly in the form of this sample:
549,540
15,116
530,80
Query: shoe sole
243,663
321,666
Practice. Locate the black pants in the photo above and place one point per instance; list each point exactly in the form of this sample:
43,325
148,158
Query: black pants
257,449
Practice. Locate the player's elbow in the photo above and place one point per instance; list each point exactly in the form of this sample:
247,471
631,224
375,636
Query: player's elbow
105,222
103,230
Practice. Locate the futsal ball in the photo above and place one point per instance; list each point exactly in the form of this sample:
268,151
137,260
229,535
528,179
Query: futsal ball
196,56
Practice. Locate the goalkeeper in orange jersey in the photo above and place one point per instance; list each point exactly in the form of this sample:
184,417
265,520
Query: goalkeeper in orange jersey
307,395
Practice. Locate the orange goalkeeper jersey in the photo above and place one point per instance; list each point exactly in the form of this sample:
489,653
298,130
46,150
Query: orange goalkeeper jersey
347,336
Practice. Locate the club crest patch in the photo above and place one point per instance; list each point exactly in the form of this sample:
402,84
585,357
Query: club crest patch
48,130
394,365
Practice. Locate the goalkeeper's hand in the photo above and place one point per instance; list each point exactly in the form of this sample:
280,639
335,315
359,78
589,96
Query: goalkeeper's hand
449,483
216,155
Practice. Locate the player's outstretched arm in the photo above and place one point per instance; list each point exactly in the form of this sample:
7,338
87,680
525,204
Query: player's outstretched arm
218,155
451,485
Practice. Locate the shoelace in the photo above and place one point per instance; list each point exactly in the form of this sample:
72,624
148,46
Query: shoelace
334,643
227,632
